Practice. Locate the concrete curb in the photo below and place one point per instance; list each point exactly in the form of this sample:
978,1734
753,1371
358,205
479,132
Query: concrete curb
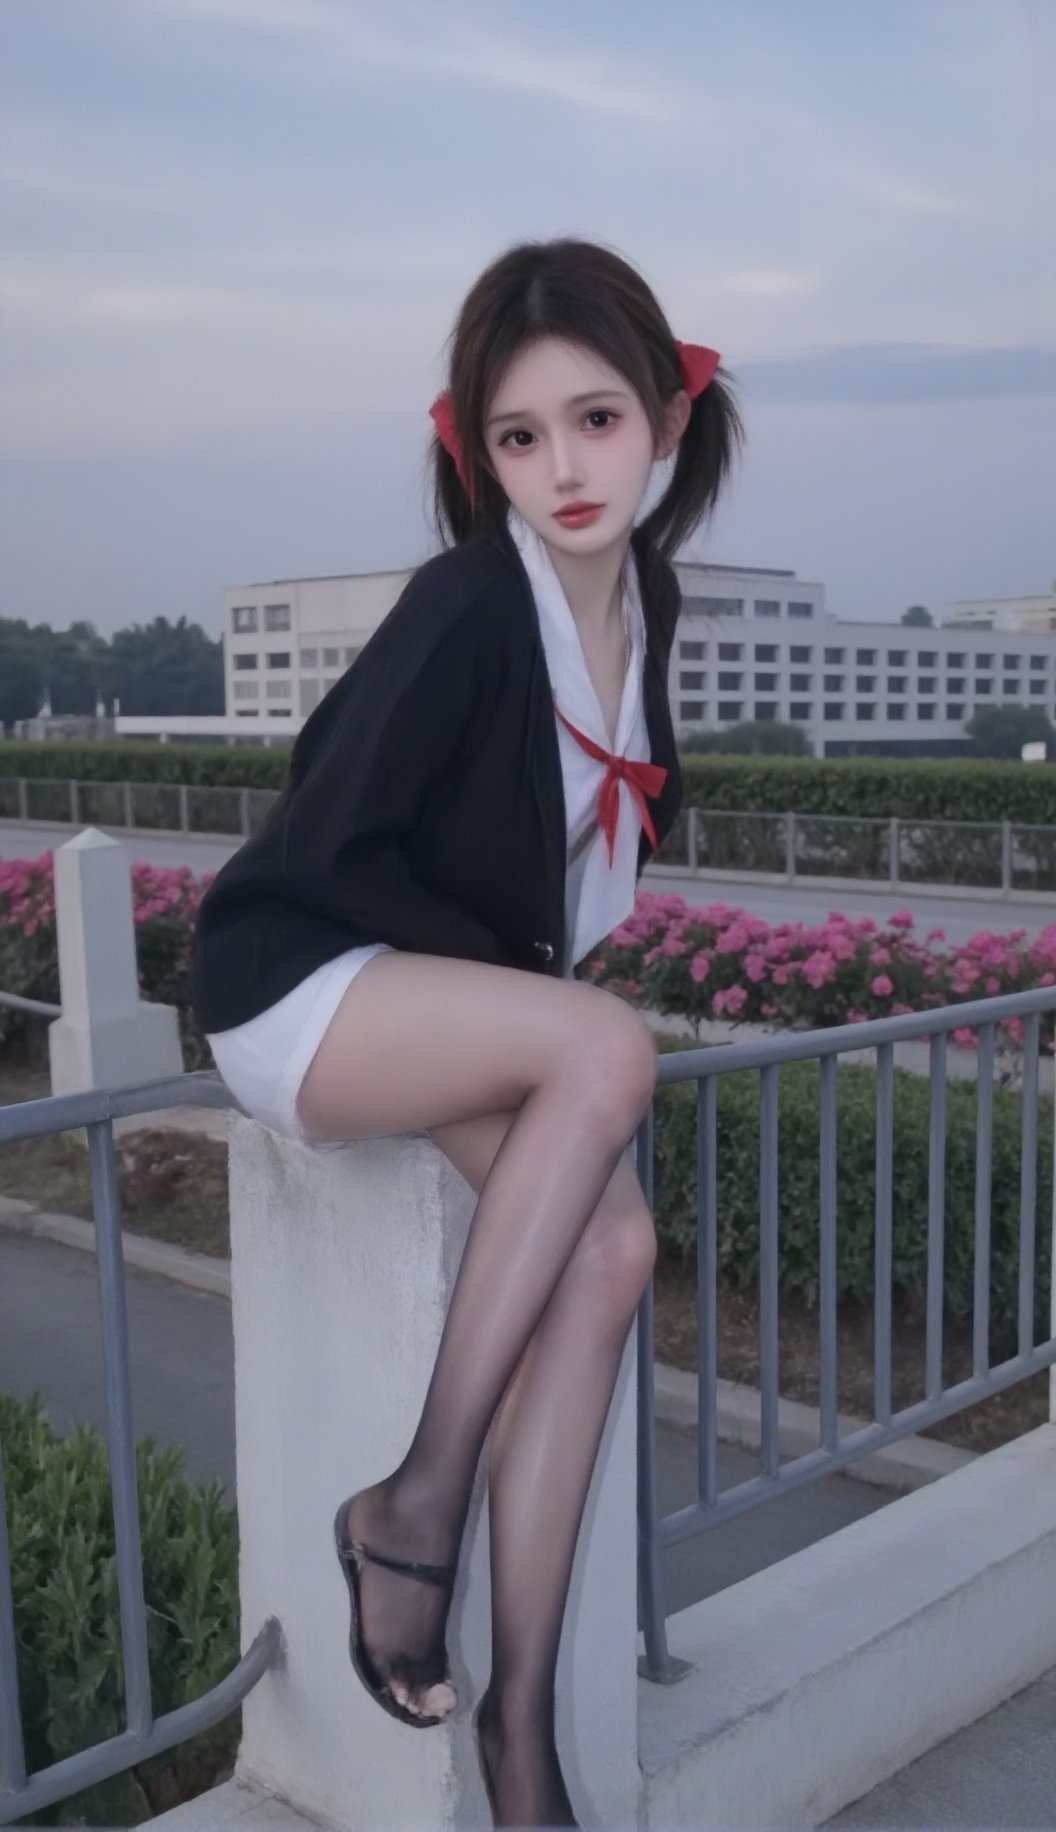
909,1464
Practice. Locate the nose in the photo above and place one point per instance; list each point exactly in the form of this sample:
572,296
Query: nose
568,468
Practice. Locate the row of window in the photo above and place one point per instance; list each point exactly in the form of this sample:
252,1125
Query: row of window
280,658
244,618
834,712
732,681
734,607
694,650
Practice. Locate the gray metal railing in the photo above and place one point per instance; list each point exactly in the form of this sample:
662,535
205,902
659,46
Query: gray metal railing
1002,858
834,1453
145,1735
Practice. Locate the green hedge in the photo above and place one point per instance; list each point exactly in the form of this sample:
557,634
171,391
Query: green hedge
798,1187
67,1617
963,790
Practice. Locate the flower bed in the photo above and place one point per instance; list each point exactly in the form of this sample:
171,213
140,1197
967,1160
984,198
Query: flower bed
721,962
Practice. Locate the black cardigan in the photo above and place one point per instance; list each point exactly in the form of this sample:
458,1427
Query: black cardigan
424,804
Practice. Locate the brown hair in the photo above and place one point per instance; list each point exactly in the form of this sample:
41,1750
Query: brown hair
586,294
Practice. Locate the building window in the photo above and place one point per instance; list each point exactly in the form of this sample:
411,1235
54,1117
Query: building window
800,709
1011,686
834,655
730,651
766,651
691,709
864,709
984,661
245,662
800,610
800,683
833,711
247,690
768,607
800,652
331,658
955,683
350,654
926,711
865,657
1010,663
984,686
865,683
691,651
244,619
926,683
1037,686
765,709
832,683
896,683
729,712
691,677
309,658
277,658
955,659
896,658
729,683
276,616
896,712
927,658
310,697
279,690
955,709
766,683
722,607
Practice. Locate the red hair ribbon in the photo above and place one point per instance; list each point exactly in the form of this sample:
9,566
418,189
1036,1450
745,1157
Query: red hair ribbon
698,366
641,778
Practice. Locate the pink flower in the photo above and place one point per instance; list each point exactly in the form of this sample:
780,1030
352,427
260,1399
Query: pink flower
882,986
902,919
733,1000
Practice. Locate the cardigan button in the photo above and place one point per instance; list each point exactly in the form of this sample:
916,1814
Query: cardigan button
544,948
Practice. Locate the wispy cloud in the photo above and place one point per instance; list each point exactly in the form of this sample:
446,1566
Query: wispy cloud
896,374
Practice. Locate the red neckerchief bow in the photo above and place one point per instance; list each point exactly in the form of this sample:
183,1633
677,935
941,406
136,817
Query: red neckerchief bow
641,778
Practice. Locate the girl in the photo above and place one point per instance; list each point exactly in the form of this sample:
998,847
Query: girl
466,815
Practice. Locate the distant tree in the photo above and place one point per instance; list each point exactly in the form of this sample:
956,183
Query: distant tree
918,614
160,668
1001,731
756,737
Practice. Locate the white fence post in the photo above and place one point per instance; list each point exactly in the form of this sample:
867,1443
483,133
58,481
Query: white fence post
107,1037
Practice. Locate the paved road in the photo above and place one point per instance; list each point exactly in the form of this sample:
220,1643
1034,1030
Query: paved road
960,915
1000,1772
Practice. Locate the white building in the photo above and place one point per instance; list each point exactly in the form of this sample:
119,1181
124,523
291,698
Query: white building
1038,614
752,643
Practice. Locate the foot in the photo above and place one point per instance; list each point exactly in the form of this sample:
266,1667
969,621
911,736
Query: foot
403,1618
521,1770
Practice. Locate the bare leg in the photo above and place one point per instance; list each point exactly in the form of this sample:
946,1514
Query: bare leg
545,1181
545,1445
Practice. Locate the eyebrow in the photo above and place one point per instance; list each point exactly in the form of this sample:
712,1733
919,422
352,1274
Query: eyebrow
574,400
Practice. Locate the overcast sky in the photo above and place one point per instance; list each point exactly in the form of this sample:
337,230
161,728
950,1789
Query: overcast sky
235,235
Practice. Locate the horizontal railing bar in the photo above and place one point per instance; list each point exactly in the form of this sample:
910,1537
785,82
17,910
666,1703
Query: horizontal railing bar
62,1112
61,1779
700,1516
798,1046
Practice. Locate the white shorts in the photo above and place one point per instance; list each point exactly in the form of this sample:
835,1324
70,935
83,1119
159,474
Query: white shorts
264,1061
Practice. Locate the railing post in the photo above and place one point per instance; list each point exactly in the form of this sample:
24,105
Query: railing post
23,799
790,846
892,847
1006,857
185,825
353,1254
74,819
127,787
243,813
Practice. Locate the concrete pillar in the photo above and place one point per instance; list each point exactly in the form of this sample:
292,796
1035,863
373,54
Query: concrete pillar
342,1264
107,1035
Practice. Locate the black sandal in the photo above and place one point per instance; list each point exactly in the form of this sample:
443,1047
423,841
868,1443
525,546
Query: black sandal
352,1554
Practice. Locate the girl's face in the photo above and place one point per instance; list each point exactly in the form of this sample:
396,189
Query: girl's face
563,428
